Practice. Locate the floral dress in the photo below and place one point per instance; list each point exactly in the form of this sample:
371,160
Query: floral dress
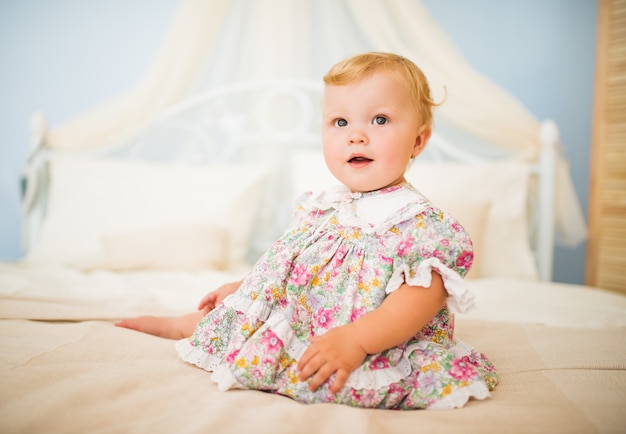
345,254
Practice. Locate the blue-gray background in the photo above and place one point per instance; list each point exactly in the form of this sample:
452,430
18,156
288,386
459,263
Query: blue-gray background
66,56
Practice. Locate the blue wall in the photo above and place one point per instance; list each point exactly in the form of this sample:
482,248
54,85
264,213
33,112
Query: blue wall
66,56
543,52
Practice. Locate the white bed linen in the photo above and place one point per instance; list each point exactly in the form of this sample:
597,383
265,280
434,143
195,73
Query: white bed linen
109,295
105,294
102,294
64,367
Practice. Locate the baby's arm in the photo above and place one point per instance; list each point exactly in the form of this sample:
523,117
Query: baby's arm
341,350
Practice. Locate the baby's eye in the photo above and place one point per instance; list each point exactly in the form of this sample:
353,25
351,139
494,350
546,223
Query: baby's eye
341,122
379,120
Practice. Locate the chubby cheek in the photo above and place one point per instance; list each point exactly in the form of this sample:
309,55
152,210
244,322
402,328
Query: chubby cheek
331,159
331,147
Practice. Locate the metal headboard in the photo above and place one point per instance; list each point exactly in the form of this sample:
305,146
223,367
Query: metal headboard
264,121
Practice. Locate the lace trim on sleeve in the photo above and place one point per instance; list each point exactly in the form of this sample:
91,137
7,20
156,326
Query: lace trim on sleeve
460,299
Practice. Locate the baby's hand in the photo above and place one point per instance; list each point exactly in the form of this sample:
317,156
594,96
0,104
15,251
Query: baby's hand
336,352
214,298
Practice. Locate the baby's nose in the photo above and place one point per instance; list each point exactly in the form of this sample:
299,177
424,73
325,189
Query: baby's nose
357,137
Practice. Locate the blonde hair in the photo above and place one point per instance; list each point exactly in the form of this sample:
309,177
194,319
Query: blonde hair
361,65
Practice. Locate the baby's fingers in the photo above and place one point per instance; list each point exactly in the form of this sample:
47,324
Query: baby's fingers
340,379
207,302
306,366
321,376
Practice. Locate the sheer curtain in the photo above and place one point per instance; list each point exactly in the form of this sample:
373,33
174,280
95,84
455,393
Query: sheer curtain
216,42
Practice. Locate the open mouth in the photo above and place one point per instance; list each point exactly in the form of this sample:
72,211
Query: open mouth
359,159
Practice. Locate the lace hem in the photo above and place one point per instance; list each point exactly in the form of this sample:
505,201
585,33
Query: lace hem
459,397
358,379
460,299
194,355
225,380
221,374
256,309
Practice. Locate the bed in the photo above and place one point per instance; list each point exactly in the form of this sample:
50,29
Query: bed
149,224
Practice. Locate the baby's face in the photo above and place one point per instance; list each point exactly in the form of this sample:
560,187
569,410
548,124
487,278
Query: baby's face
370,130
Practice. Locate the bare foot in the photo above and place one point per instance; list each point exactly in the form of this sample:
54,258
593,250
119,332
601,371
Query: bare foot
166,327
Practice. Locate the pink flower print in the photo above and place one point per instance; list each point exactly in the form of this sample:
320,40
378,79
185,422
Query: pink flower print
427,332
445,242
462,370
395,388
205,332
465,260
357,313
456,227
257,374
438,254
475,358
271,342
471,358
324,318
230,357
426,250
395,393
365,397
300,276
379,362
385,260
269,361
405,246
342,251
262,267
429,381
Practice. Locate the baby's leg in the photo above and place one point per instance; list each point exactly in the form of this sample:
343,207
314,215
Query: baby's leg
166,327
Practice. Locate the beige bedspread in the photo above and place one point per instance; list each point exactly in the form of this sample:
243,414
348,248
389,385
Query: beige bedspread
83,375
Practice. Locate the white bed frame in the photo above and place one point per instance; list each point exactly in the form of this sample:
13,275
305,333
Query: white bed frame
265,121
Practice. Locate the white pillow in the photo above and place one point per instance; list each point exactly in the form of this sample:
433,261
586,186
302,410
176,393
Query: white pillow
182,247
505,244
101,200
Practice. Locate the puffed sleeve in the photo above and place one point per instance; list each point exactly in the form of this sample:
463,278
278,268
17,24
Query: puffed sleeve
434,240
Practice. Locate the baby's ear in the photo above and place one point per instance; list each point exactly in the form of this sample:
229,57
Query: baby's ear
421,140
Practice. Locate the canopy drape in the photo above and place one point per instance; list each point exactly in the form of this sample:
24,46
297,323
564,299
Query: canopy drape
216,42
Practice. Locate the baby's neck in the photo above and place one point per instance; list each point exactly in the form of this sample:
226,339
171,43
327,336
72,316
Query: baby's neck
399,182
